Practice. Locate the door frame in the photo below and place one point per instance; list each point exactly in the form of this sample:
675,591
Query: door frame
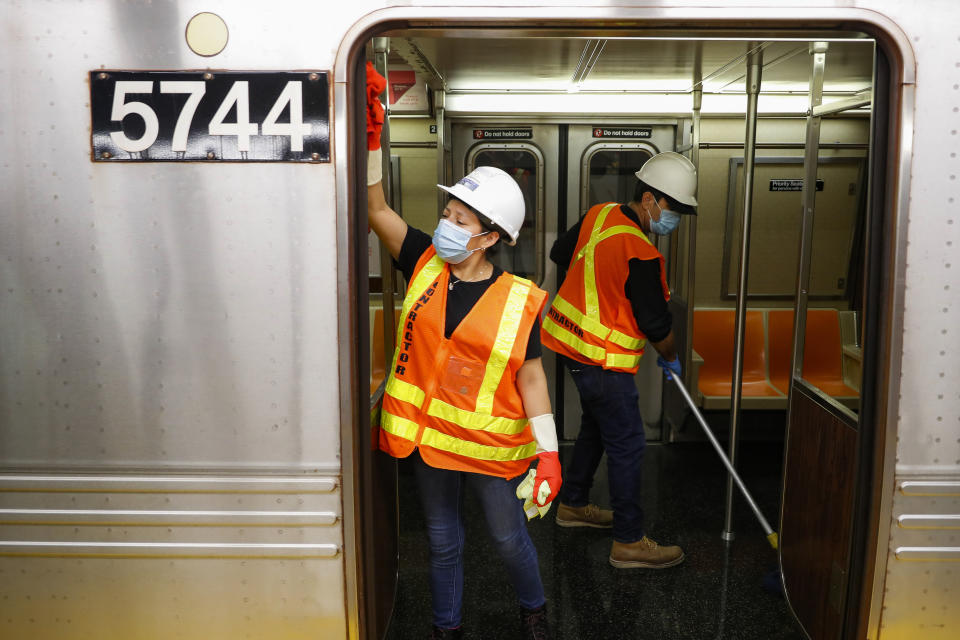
681,17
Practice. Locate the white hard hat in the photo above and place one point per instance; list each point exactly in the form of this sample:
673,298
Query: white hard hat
496,195
672,174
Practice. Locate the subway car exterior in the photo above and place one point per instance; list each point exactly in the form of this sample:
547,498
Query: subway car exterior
189,335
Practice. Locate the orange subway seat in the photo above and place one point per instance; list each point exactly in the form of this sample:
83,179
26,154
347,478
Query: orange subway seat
378,362
823,351
713,340
780,332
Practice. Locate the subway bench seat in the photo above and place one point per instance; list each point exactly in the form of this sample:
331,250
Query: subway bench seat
831,360
378,361
378,369
713,341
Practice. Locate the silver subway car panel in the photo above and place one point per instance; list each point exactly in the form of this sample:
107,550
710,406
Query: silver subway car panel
169,443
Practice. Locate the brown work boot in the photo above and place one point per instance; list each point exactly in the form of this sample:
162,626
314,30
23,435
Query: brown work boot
588,516
644,554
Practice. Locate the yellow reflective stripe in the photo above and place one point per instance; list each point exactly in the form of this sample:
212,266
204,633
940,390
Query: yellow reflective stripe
625,341
405,391
633,231
591,351
622,361
503,344
400,427
591,298
420,283
597,225
588,324
476,421
443,442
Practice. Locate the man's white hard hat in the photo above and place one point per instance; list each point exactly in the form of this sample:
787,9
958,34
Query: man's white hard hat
673,174
496,195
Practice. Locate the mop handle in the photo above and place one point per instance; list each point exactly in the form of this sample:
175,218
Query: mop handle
771,535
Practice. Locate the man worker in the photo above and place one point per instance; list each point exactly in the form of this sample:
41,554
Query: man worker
612,302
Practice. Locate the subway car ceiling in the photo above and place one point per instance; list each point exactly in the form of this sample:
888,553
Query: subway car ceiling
510,74
536,77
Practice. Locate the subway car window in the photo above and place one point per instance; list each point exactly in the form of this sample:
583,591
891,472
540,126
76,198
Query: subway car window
522,165
612,174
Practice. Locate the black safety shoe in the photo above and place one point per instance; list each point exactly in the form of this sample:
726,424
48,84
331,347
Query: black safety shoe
533,623
446,634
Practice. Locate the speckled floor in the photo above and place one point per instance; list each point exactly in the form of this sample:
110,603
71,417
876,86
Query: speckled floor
716,593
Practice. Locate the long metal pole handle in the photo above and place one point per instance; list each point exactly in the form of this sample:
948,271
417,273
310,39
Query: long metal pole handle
771,534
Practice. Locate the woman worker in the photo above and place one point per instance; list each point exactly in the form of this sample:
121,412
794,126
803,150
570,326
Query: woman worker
466,394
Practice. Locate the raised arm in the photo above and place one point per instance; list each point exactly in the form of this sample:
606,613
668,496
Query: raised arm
385,222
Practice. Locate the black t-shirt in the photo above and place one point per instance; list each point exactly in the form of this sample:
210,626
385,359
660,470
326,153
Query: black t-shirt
642,288
464,295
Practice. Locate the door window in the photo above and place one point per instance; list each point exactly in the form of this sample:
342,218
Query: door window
610,172
524,163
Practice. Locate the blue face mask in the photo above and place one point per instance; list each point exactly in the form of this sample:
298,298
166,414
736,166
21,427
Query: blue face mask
450,241
667,223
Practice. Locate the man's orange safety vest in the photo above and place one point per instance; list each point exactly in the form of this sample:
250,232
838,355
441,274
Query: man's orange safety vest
456,399
591,320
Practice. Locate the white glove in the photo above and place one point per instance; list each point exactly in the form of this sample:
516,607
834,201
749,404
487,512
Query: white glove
544,432
374,166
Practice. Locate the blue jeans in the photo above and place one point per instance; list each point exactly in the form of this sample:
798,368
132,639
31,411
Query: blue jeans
610,422
441,493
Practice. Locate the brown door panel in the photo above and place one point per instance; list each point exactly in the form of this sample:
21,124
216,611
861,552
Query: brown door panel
816,520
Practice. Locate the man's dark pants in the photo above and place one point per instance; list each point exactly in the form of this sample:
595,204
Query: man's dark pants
610,422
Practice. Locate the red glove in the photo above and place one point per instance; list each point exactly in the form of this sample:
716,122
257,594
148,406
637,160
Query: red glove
548,470
376,83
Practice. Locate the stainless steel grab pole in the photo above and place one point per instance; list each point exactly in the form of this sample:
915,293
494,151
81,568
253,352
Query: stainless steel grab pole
388,279
689,288
754,68
818,54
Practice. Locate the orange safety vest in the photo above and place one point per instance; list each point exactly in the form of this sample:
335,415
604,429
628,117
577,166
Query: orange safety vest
456,399
591,320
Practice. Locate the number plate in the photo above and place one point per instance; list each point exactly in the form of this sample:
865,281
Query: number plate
179,116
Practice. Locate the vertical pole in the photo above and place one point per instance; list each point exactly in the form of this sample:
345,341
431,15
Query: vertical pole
690,280
563,150
754,69
443,145
818,54
381,48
